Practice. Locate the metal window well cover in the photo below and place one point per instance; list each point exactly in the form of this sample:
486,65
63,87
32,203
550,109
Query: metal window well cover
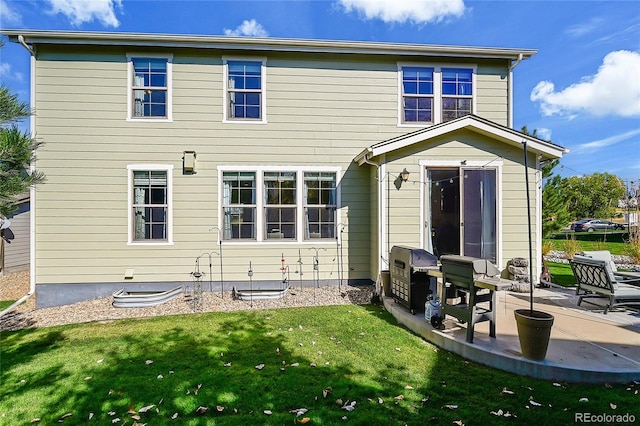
125,299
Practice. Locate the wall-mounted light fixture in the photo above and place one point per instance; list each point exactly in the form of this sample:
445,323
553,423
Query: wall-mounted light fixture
189,162
402,177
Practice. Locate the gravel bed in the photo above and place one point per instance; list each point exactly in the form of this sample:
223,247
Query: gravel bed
26,316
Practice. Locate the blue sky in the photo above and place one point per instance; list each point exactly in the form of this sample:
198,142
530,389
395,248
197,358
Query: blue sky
582,89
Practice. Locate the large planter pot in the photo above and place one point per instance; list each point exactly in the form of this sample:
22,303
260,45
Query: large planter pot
534,330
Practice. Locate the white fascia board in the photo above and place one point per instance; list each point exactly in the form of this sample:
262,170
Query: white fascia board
264,44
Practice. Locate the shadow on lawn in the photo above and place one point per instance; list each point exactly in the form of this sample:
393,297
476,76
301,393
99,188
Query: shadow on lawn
208,373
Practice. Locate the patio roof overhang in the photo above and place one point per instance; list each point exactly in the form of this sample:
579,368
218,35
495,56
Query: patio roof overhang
547,150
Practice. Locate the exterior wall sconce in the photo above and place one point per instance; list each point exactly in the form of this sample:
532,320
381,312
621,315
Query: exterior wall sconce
402,177
189,162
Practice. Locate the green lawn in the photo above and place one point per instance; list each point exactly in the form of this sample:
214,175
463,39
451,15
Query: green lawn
561,274
4,304
344,364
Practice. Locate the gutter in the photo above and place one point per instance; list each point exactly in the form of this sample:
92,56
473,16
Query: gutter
511,68
32,283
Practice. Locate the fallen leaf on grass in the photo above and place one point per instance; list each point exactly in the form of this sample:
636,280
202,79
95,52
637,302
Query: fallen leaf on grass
451,406
202,409
299,411
408,387
220,408
295,364
147,408
326,392
131,410
36,420
160,377
100,360
399,397
136,417
507,391
267,412
458,422
613,406
88,378
304,420
259,367
380,400
90,416
66,416
116,420
175,416
148,362
349,406
228,364
535,404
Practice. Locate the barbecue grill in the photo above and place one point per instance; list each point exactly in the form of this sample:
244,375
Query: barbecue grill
410,285
460,273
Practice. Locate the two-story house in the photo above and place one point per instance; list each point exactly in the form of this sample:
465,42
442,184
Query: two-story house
161,148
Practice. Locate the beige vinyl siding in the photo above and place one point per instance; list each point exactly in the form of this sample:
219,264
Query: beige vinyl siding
404,220
320,112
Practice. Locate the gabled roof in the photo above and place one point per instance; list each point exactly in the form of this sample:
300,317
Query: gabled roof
469,122
265,44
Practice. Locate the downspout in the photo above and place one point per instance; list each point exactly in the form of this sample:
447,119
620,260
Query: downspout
381,241
32,192
511,68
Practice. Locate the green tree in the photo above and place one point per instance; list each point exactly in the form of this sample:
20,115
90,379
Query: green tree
594,195
17,151
555,213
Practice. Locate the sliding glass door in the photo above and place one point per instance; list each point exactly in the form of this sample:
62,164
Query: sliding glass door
462,211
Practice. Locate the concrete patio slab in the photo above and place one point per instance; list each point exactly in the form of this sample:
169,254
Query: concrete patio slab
586,346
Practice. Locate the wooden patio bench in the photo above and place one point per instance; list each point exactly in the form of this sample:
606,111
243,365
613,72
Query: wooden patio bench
595,279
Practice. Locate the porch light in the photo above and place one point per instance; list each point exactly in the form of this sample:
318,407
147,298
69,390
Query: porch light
404,175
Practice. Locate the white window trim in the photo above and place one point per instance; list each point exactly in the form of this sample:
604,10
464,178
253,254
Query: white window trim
260,204
437,90
130,117
169,169
263,94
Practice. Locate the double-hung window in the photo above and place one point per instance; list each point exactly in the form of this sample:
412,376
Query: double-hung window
244,90
239,205
431,95
320,205
150,204
279,204
150,83
457,92
417,95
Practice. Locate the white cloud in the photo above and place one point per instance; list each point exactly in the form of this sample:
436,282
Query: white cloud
9,15
401,11
544,133
603,143
579,30
248,29
613,91
81,11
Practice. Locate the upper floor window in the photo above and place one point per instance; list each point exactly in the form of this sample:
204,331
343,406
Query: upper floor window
430,95
244,91
150,203
150,88
417,95
457,92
